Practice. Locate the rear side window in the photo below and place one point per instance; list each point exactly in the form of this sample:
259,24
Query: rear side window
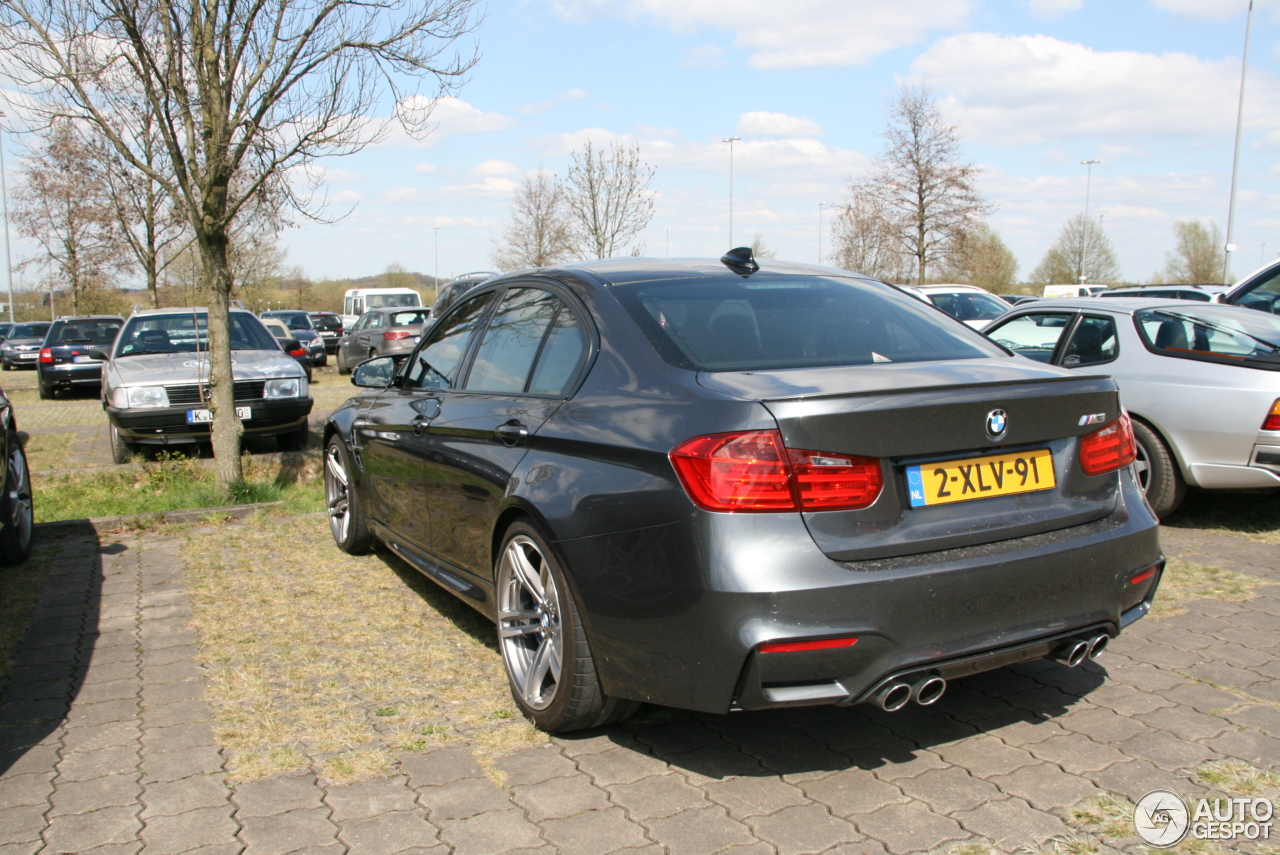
765,323
435,363
512,341
1092,342
561,358
1034,336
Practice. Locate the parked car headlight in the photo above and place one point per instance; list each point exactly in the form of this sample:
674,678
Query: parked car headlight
138,397
285,387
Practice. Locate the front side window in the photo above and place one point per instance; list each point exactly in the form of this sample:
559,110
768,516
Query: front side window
1034,336
434,365
1264,295
776,322
1092,342
512,341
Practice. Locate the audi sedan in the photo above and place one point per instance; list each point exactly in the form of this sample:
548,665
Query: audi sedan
728,485
1201,382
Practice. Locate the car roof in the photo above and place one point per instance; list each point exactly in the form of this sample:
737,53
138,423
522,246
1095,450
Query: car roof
184,310
624,271
89,318
1118,305
944,288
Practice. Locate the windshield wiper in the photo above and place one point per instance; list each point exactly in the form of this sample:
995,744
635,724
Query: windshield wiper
1275,348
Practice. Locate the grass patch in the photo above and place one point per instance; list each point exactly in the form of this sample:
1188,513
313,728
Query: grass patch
331,662
1238,779
1184,581
1106,815
1254,515
20,588
51,450
173,483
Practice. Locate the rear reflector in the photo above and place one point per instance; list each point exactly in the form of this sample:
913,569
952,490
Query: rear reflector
1144,575
753,471
46,354
795,646
1108,448
1272,421
396,336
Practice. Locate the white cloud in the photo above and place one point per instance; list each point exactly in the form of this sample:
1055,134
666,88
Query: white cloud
703,56
449,117
764,124
1049,9
575,95
535,109
495,168
804,34
1215,10
490,185
1032,89
426,168
650,132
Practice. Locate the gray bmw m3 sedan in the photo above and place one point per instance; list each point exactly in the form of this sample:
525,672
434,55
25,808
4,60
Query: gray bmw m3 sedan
732,485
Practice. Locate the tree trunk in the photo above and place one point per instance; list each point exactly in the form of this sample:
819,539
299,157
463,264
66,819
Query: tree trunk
227,429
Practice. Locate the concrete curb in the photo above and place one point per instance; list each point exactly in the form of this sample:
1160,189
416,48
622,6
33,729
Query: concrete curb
179,516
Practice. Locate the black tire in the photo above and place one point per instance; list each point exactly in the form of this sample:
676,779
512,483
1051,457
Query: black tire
346,521
7,366
294,440
532,586
16,509
342,363
1157,471
121,451
46,394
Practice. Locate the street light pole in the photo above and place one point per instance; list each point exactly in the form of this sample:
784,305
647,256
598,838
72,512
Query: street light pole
4,200
1084,233
731,141
1235,161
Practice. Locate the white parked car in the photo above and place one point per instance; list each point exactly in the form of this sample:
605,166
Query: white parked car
969,303
1201,382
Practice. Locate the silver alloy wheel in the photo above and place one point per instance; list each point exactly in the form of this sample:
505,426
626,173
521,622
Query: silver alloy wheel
337,493
1142,468
20,497
529,625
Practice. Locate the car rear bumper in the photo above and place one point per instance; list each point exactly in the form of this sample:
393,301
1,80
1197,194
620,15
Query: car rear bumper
676,613
61,376
168,426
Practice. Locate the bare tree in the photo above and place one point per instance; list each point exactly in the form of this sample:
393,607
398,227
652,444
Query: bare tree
240,93
1197,256
759,249
1082,253
981,258
607,198
864,239
925,190
538,234
62,204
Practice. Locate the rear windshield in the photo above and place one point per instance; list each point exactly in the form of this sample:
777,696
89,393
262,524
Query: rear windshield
86,332
188,333
391,301
778,322
1212,333
408,319
326,322
293,320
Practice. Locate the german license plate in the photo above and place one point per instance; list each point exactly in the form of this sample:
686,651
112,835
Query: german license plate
82,359
198,416
980,477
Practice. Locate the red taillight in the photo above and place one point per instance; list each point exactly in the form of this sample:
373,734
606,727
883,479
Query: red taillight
795,646
46,354
1144,575
754,471
1272,421
1108,448
302,351
396,336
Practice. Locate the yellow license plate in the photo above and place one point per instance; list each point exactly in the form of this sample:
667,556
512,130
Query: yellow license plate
980,477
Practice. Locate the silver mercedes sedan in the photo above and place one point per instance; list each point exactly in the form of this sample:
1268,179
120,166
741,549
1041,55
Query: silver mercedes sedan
1201,382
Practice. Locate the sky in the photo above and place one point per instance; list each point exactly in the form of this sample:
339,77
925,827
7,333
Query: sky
1148,88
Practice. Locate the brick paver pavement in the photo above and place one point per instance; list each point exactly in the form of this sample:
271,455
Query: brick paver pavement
106,745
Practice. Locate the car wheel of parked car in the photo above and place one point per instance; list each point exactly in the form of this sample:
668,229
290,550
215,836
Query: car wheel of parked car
121,451
544,645
345,518
46,394
15,539
342,364
295,441
1157,471
7,366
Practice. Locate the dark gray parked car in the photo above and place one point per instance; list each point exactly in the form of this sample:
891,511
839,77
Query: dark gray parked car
303,329
381,332
21,347
721,486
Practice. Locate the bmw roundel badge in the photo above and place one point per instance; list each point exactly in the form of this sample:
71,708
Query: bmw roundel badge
997,424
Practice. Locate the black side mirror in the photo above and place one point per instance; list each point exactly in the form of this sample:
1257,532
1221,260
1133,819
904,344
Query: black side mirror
288,345
376,373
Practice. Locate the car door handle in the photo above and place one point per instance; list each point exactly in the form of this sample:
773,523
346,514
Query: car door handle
512,432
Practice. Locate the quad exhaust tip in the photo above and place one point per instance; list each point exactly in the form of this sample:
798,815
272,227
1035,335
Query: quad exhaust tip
928,690
1073,652
893,697
897,694
1097,645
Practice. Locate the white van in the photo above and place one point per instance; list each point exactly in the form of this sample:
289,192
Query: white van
1072,290
357,301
